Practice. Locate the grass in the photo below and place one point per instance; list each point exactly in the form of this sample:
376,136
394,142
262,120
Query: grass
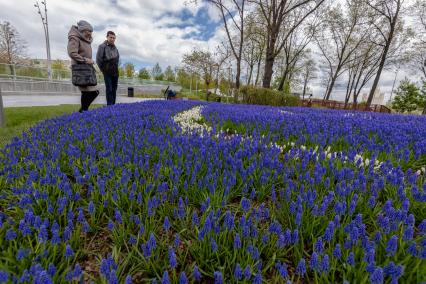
20,119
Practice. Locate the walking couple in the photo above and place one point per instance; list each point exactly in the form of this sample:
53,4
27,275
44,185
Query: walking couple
107,58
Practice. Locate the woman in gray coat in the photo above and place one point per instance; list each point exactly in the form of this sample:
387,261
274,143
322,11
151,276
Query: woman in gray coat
80,51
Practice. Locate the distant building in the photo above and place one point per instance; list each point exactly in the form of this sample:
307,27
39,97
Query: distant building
378,99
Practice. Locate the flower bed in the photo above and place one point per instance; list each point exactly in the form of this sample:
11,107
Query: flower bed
185,191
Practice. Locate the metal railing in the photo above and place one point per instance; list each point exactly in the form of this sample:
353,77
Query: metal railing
28,72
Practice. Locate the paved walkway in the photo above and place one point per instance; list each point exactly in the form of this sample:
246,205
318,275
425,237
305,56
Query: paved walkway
52,100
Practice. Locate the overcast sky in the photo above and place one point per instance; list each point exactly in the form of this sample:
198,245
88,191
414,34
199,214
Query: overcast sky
148,31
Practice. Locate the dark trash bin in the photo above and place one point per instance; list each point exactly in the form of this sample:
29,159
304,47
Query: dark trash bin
130,92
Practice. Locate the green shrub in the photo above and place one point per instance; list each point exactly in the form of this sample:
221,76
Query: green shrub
263,96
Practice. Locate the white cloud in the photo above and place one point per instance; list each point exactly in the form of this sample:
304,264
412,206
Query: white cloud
144,33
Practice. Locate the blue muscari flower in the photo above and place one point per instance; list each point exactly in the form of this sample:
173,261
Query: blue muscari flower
56,239
314,261
393,271
77,271
195,220
377,276
196,274
110,225
10,235
325,264
408,233
281,242
25,277
319,246
68,251
22,253
43,234
237,241
80,216
176,242
51,270
105,268
172,258
247,272
422,254
181,210
4,276
257,278
166,224
372,202
91,207
337,253
377,237
295,236
113,277
369,256
165,279
392,245
218,278
118,217
245,204
253,194
182,278
67,234
351,259
265,238
298,219
69,276
329,232
422,226
132,240
238,272
128,280
213,245
301,268
282,269
24,228
229,220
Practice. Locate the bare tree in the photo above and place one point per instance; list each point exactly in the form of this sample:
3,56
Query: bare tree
233,16
12,47
294,50
275,13
222,55
417,53
308,72
341,34
202,63
361,69
386,18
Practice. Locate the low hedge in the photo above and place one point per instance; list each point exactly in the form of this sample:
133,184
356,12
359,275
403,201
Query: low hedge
263,96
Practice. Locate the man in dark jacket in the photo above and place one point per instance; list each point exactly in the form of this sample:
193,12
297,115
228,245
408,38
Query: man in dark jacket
107,59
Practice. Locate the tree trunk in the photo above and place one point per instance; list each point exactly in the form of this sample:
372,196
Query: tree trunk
330,88
383,59
250,75
284,78
237,77
269,65
258,72
305,85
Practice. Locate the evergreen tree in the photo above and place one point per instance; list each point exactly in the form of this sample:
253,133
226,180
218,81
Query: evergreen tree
408,97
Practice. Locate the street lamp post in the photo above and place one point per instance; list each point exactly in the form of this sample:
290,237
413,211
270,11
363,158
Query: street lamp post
43,17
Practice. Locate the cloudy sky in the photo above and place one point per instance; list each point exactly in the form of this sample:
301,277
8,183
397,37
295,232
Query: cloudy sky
148,31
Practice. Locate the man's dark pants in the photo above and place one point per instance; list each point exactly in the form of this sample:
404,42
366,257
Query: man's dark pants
111,83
